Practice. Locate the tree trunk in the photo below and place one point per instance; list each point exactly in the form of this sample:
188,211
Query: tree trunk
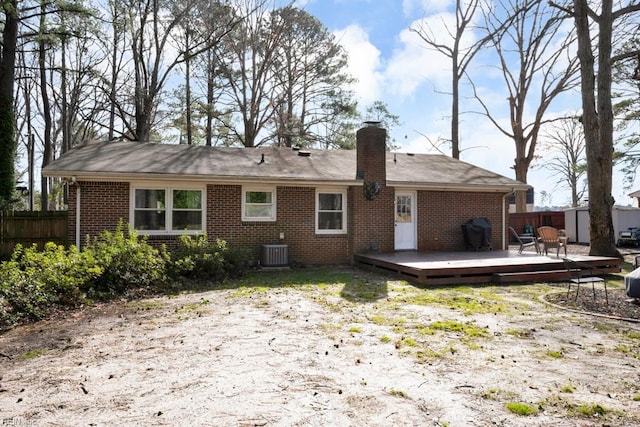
46,111
597,124
7,119
187,63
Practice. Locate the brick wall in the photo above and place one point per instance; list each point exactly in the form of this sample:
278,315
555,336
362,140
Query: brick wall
440,215
295,219
102,205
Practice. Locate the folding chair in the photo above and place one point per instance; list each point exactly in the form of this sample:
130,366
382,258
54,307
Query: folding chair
579,273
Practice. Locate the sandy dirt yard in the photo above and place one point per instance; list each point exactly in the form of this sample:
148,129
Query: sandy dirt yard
357,349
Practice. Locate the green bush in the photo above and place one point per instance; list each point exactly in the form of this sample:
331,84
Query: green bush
33,282
127,262
197,257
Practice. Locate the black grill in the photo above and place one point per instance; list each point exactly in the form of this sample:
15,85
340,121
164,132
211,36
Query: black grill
477,233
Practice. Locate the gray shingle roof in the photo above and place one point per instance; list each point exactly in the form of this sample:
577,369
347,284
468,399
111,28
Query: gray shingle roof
128,161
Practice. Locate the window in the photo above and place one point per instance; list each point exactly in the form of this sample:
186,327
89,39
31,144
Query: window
258,204
168,210
331,212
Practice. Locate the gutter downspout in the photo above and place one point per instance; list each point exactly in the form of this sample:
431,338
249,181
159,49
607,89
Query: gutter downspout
78,199
504,219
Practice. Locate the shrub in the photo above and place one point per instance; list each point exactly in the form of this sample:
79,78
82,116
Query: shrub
33,282
127,262
197,257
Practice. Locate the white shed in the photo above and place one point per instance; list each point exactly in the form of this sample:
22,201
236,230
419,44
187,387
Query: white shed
576,221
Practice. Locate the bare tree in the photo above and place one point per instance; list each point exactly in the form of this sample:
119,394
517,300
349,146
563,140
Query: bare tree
564,156
459,54
247,64
597,110
536,65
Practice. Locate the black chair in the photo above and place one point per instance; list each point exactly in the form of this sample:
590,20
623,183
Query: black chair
580,272
525,241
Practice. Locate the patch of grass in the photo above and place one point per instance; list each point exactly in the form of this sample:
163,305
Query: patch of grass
633,335
474,303
468,329
520,333
387,321
636,398
498,394
355,329
588,410
555,354
144,305
385,339
32,354
567,389
523,409
398,393
427,355
406,342
622,349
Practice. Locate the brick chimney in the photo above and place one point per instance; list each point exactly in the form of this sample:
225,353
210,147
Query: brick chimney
371,151
372,206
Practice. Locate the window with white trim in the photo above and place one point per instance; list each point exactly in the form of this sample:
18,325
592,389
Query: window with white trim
331,212
168,210
258,204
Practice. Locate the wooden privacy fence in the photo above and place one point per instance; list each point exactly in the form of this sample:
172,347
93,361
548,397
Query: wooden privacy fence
28,228
526,221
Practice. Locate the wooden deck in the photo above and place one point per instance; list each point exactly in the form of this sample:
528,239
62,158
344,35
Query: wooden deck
438,268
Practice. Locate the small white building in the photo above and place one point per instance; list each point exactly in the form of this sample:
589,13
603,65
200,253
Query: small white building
576,221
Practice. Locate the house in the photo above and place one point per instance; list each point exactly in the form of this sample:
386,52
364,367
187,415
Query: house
324,205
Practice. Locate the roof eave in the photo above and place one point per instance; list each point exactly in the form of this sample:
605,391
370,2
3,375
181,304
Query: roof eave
478,188
210,179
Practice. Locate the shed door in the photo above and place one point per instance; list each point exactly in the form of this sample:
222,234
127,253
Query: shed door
405,221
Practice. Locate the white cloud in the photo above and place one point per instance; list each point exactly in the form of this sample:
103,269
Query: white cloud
364,62
413,64
413,7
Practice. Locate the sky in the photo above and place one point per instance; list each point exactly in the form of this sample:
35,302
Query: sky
393,65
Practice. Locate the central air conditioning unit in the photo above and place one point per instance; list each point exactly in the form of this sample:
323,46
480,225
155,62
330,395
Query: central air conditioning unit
275,255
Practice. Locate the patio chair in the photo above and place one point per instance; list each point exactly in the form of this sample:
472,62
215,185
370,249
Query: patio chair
525,241
580,272
550,238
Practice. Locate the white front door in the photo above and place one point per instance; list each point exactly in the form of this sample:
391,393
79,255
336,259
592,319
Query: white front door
405,221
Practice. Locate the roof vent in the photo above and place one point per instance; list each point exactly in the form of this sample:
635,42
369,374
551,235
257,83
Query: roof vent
304,153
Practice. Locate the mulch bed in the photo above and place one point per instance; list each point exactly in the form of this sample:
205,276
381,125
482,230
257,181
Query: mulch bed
619,304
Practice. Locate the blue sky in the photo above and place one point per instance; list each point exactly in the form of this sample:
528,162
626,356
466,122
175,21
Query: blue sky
393,65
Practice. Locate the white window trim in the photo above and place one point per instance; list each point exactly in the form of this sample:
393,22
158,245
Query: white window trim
263,189
341,191
169,206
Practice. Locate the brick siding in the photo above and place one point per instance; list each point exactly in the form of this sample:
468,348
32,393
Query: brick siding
370,220
441,214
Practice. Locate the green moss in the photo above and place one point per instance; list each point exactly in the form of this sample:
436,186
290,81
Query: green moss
555,354
522,409
32,354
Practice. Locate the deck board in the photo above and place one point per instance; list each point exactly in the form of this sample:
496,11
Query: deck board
439,268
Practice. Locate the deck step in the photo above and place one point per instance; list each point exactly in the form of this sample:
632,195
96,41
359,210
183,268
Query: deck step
531,276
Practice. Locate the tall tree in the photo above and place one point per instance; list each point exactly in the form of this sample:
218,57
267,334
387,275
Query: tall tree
564,156
460,54
247,65
379,111
7,120
310,72
597,110
536,66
